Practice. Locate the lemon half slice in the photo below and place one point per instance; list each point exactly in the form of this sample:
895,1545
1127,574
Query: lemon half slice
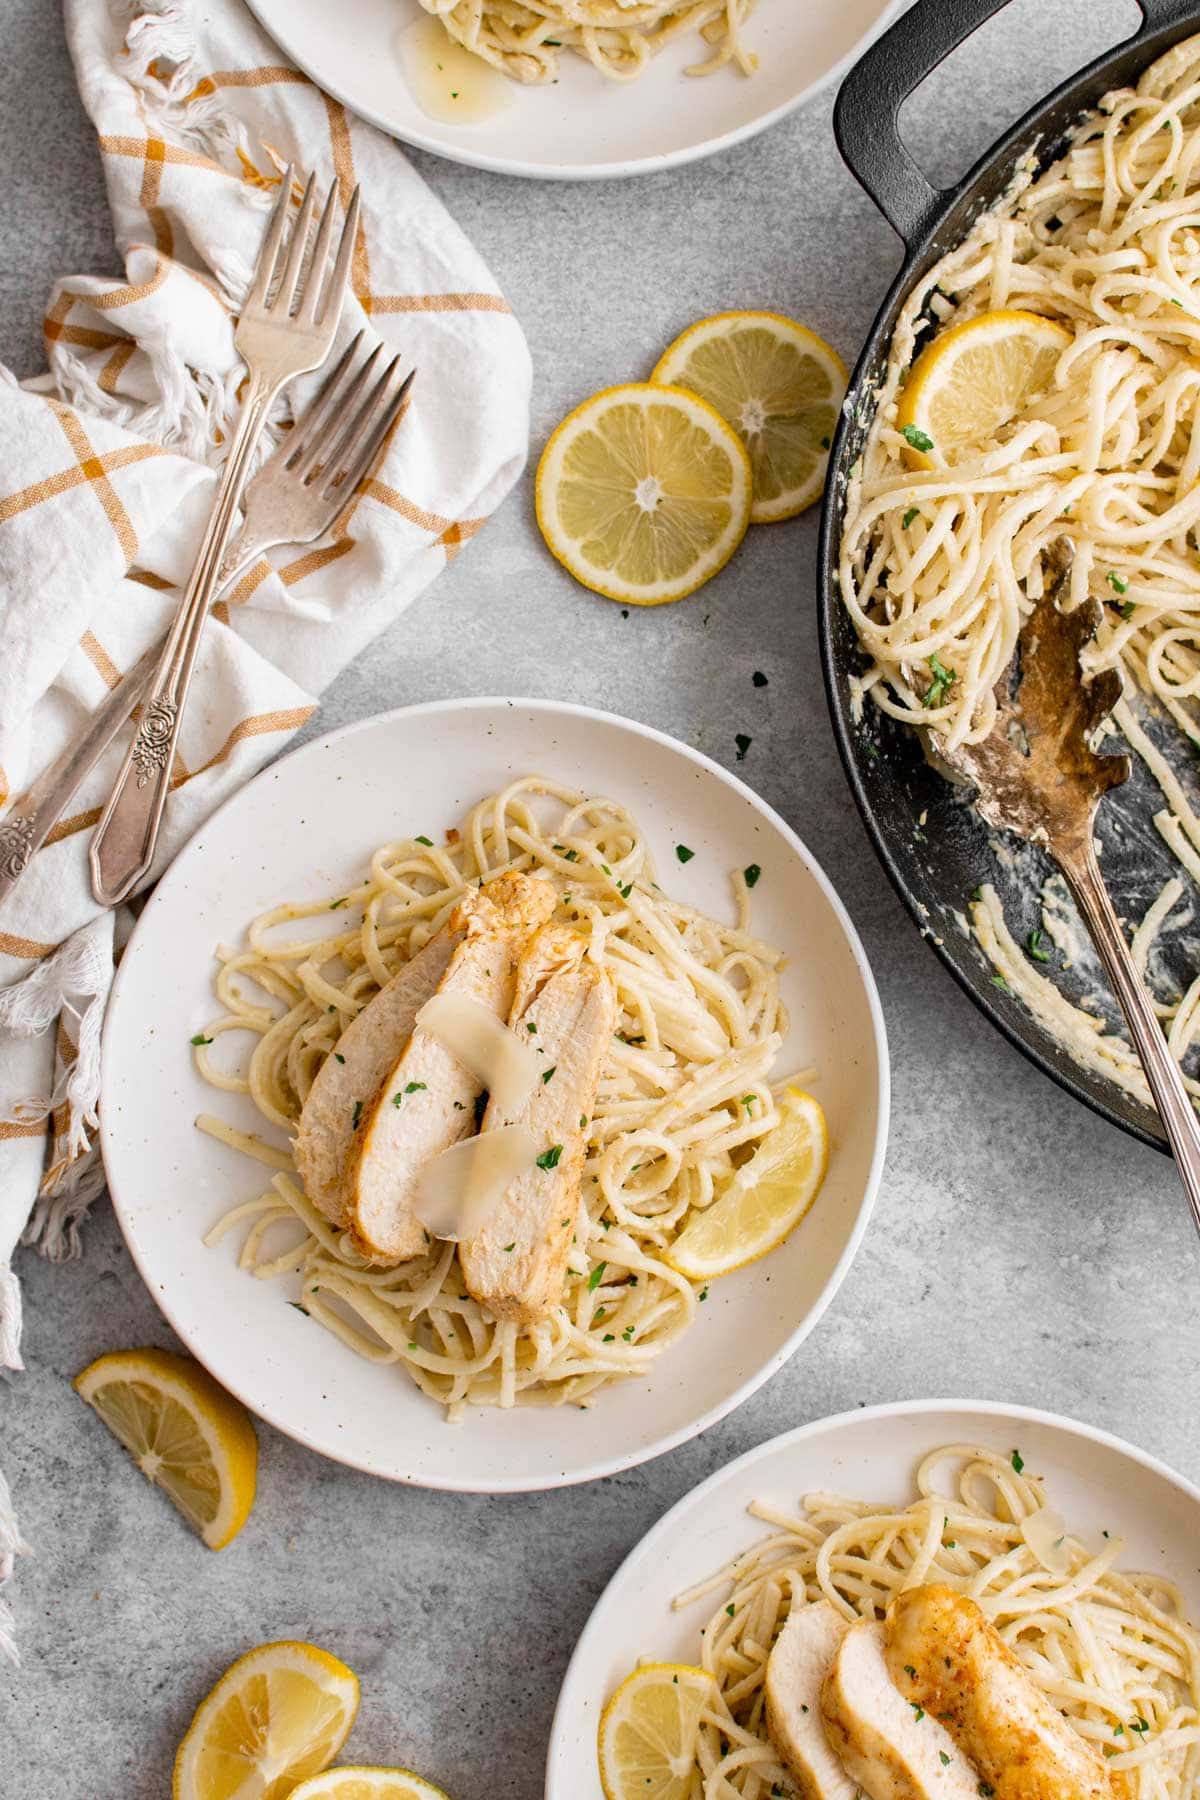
968,383
779,385
766,1199
279,1714
367,1784
643,493
649,1731
185,1432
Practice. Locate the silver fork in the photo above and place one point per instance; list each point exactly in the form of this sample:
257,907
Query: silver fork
276,344
296,497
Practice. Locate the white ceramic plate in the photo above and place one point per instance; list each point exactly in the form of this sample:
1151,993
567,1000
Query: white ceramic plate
304,828
586,126
1096,1481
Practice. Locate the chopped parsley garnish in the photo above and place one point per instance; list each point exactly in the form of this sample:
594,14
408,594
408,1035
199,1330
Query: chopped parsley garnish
1033,944
548,1075
730,1609
627,1334
305,1311
596,1277
357,1115
909,516
910,1671
918,1711
201,1039
338,1057
703,1295
531,1026
509,1247
943,681
949,1544
750,874
920,440
683,853
1127,610
943,1759
747,1101
626,890
985,1790
1018,1461
608,1338
1118,1731
459,1107
758,678
549,1158
422,839
999,981
1140,1726
1117,583
334,904
743,744
583,1119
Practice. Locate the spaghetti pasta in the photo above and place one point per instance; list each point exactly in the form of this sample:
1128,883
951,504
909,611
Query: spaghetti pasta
1113,1651
947,562
685,1095
523,38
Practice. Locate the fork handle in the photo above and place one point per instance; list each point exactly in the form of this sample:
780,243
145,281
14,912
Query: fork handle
124,841
1175,1108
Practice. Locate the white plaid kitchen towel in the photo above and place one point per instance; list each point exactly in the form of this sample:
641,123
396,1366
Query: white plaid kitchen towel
106,474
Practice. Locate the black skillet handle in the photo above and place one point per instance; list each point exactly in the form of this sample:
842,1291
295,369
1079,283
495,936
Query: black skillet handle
866,116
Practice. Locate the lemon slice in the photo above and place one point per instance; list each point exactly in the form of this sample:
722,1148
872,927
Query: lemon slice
184,1431
649,1732
779,385
279,1714
968,383
643,493
367,1784
766,1199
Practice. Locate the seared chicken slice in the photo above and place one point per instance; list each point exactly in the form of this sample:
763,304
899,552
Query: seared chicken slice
796,1667
944,1656
352,1072
516,1263
426,1101
889,1748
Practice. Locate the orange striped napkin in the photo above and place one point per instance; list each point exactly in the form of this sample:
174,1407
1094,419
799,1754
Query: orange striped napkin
108,468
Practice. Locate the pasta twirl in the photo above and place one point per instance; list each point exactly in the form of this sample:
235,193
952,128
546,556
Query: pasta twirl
685,1095
619,37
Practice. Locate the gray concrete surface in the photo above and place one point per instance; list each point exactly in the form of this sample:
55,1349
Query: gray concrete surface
1021,1249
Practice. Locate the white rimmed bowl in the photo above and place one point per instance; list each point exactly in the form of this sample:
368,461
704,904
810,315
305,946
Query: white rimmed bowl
304,828
1096,1481
585,127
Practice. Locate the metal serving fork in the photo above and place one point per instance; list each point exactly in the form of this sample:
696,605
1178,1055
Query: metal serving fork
276,344
295,498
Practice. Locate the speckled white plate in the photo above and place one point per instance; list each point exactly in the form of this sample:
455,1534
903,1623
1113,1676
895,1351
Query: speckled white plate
305,827
585,126
1097,1482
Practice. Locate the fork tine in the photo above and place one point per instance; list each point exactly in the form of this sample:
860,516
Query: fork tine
331,397
362,452
322,446
335,293
264,268
281,305
366,396
314,280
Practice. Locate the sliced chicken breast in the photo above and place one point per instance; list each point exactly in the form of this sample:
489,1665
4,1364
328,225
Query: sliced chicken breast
944,1655
889,1748
426,1100
351,1074
516,1264
796,1668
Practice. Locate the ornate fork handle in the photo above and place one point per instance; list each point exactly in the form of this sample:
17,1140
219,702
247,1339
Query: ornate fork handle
123,845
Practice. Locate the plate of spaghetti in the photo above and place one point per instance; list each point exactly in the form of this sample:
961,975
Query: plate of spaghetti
572,89
436,1049
980,1595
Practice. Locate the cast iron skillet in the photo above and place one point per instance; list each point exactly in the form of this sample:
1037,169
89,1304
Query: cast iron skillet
932,844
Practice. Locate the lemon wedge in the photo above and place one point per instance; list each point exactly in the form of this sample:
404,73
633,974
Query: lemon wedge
643,493
766,1199
968,383
367,1784
649,1731
184,1431
779,385
278,1715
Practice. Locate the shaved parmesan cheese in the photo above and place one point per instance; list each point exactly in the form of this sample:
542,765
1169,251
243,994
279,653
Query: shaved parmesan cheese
457,1190
484,1044
1045,1531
